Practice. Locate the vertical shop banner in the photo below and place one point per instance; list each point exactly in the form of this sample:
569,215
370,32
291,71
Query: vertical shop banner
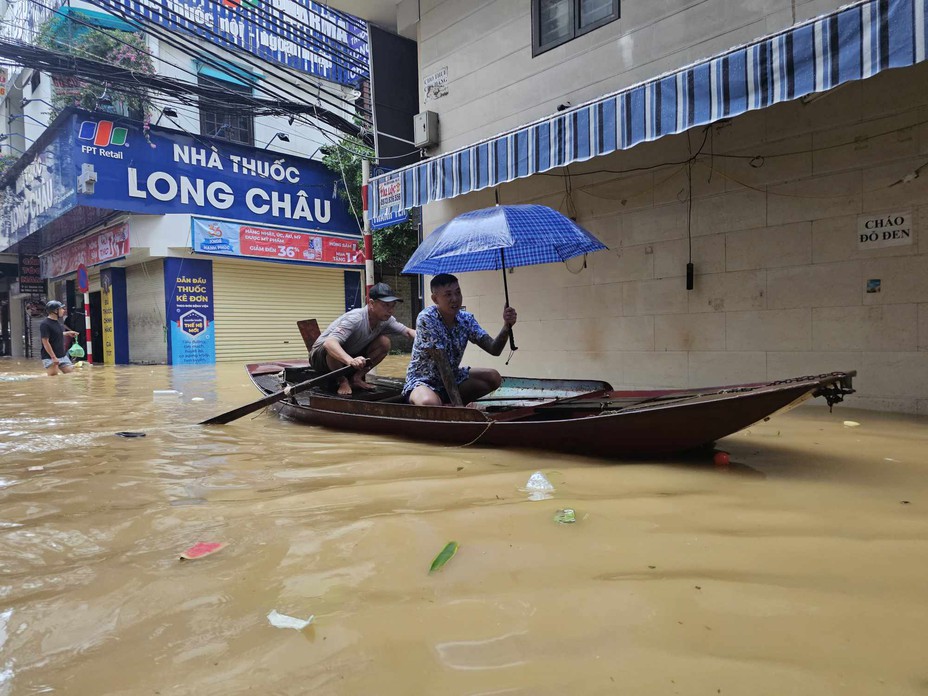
188,293
390,192
114,317
106,304
30,275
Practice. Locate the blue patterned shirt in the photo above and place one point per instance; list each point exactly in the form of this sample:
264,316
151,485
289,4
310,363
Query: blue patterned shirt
431,332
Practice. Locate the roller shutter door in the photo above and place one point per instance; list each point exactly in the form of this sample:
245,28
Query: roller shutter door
34,343
145,302
256,306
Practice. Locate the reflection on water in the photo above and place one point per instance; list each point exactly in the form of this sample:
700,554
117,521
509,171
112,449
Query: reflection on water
797,569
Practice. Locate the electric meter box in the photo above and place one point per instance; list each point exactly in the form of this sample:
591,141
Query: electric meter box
425,129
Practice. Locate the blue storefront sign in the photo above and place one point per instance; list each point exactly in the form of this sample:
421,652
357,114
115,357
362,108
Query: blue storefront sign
188,297
119,167
41,192
300,34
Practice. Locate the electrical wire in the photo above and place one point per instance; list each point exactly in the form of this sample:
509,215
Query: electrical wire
195,49
217,63
365,155
222,66
194,113
117,9
353,61
225,102
84,69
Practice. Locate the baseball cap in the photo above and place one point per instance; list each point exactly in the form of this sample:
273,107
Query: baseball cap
383,292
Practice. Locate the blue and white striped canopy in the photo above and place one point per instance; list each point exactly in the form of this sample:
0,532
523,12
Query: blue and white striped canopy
852,43
528,235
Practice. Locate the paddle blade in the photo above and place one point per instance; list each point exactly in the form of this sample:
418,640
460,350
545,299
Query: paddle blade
290,390
235,413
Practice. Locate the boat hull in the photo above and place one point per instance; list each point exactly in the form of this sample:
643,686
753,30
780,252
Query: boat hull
601,423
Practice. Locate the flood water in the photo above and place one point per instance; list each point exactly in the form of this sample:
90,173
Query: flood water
799,569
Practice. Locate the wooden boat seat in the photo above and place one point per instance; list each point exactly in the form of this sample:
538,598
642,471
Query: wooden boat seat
309,331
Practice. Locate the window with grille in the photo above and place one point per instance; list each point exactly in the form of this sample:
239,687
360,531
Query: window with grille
555,22
235,124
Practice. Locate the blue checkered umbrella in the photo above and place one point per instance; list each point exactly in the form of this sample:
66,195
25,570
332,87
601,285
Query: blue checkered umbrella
503,236
499,237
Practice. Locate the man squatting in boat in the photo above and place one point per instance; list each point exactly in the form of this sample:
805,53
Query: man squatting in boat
357,338
448,327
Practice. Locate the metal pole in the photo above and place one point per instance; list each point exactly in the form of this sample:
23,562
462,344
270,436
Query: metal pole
368,241
87,326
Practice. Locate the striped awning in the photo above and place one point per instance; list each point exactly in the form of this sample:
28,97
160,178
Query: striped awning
852,43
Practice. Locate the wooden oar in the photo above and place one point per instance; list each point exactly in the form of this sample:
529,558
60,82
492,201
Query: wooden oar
236,413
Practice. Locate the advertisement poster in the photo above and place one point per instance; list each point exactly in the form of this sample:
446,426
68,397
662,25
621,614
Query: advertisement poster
252,241
109,325
390,193
106,245
188,293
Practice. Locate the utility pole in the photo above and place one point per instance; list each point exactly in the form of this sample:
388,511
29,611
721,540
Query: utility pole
368,242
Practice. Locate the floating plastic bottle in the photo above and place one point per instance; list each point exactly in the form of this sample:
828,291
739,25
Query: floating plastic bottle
539,487
538,482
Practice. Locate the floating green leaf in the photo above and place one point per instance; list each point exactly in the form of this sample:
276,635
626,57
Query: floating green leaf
450,549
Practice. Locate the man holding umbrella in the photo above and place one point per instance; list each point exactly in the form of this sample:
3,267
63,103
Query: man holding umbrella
447,327
490,239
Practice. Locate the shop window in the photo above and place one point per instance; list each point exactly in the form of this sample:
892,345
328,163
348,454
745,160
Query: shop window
555,22
236,125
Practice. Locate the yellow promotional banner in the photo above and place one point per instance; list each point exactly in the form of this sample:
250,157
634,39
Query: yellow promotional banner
109,333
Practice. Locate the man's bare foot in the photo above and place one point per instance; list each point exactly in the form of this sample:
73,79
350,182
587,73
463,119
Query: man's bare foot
361,384
344,388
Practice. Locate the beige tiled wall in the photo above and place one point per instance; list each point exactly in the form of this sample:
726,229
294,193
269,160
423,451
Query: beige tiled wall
780,286
495,83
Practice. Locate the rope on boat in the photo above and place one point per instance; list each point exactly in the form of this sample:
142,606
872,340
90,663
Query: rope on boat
474,441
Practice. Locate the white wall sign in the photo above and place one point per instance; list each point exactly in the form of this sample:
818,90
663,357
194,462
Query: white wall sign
436,84
884,230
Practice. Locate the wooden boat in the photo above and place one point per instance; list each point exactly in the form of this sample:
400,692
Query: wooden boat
576,416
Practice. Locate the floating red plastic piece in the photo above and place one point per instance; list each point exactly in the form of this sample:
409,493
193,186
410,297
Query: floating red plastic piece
200,549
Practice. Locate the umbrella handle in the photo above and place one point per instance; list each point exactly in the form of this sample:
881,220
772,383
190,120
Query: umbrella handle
502,263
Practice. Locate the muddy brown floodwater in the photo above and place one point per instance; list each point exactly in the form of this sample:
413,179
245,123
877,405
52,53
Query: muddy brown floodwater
799,569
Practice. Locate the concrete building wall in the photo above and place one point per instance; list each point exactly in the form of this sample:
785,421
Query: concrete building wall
305,141
495,84
781,285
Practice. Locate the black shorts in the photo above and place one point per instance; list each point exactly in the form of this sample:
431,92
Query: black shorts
317,361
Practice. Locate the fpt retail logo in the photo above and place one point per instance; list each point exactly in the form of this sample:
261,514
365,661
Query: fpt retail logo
102,134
